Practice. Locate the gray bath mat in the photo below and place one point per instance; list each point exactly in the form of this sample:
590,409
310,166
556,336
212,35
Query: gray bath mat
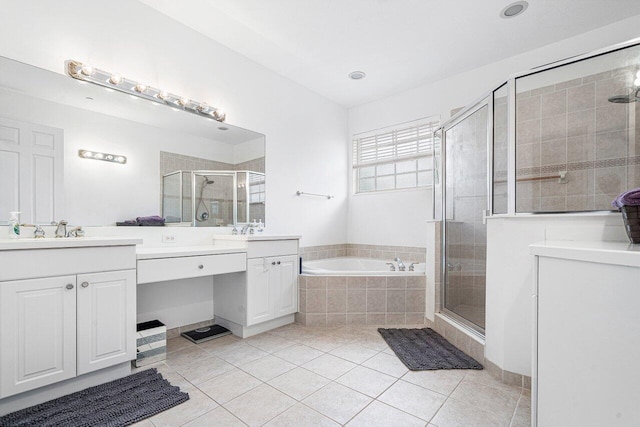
426,350
117,403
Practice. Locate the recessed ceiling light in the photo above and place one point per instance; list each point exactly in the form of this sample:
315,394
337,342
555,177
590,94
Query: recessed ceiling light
357,75
514,9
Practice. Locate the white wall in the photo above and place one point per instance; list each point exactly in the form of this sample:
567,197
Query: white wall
509,319
305,133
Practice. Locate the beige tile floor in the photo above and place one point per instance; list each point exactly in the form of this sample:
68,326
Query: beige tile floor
304,376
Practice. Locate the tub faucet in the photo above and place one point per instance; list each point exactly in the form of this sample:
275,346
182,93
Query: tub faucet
401,266
392,267
412,266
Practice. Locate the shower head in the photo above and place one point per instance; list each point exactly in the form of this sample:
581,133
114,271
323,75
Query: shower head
208,181
625,99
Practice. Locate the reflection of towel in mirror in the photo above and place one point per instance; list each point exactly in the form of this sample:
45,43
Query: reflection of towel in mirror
153,220
628,198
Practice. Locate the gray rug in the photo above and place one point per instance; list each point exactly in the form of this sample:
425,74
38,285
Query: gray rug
117,403
426,350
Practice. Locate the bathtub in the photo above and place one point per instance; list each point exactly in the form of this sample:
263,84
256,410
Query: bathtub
359,291
350,266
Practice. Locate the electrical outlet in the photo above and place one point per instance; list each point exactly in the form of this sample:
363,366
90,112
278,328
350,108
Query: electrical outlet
168,238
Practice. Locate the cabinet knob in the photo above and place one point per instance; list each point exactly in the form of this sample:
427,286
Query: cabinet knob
201,266
84,284
69,286
273,263
278,263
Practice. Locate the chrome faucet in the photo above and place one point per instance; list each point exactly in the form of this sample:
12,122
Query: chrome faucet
392,266
412,266
76,232
401,266
38,233
61,231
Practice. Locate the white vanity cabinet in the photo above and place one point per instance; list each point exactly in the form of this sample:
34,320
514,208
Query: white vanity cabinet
271,288
64,312
266,296
587,329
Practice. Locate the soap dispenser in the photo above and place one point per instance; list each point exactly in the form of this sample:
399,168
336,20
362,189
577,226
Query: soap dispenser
14,225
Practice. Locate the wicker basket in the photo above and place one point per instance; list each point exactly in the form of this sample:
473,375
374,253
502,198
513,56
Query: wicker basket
631,217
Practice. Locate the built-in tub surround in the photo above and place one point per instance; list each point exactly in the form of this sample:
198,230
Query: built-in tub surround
350,300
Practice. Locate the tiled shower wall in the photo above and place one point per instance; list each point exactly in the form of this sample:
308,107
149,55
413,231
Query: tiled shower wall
571,126
407,254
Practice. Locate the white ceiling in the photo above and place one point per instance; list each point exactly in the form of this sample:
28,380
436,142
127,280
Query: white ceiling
399,44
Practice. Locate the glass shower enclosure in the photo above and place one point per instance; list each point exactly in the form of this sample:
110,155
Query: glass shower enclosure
213,198
465,202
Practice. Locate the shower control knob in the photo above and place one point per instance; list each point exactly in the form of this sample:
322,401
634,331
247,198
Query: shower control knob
201,266
69,286
278,263
84,284
273,263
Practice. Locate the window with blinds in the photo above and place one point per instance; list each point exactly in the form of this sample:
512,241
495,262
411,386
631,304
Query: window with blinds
394,159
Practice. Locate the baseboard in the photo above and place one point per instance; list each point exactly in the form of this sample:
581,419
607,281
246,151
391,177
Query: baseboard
248,331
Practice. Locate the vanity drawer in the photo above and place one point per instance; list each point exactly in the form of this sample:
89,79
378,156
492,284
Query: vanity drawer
259,249
34,263
161,269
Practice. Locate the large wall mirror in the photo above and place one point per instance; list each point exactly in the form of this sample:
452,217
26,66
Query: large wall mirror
48,119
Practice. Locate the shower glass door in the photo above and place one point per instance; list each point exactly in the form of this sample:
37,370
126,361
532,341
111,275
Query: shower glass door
464,231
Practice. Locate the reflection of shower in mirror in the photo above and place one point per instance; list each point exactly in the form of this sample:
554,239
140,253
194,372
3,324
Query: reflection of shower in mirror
201,217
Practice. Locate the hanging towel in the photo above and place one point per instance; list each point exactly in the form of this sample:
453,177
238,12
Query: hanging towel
628,198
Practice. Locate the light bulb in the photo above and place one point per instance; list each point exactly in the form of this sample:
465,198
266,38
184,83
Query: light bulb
203,107
87,70
183,101
115,79
140,87
87,154
163,95
219,115
109,157
99,155
120,159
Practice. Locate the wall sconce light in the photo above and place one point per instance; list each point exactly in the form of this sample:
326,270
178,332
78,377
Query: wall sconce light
106,157
115,81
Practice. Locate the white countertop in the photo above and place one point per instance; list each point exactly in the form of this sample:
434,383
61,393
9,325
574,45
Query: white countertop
254,237
617,253
68,242
183,251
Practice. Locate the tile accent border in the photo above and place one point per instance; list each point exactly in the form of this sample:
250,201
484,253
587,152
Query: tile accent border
408,254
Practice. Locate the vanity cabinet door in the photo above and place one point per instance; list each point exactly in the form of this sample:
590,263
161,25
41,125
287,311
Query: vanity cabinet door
284,284
259,300
106,319
37,333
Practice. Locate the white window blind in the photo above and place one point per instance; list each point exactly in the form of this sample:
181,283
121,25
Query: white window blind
394,158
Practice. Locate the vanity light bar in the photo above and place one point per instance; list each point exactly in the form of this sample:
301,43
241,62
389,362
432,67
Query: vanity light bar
88,73
106,157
